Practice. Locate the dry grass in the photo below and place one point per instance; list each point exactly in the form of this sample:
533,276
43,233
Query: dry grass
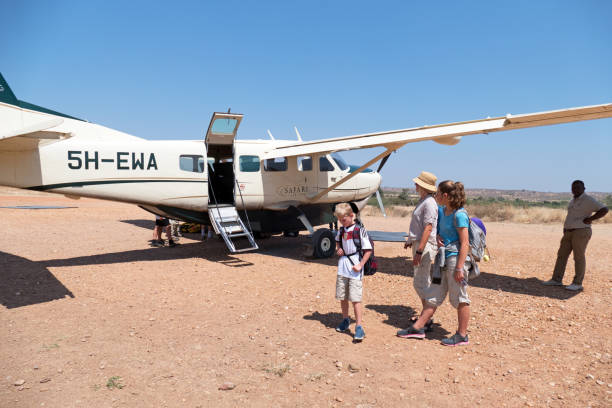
392,211
496,212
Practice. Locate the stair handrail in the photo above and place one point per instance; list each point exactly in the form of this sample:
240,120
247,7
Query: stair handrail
246,214
212,188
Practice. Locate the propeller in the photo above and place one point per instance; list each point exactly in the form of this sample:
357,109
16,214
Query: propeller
380,203
378,195
382,162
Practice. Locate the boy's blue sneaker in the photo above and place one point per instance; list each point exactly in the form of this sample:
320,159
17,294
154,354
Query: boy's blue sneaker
359,333
456,340
342,327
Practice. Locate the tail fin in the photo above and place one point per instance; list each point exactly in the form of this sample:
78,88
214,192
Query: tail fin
6,95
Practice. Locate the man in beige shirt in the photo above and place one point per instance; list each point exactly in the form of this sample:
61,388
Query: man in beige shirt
576,235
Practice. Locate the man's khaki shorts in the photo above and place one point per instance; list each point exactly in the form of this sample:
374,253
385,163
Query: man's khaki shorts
422,274
349,289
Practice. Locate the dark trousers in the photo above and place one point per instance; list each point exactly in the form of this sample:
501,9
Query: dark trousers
573,240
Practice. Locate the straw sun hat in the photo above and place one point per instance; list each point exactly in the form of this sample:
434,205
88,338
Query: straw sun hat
426,180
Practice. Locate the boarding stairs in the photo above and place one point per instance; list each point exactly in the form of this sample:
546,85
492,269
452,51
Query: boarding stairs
227,223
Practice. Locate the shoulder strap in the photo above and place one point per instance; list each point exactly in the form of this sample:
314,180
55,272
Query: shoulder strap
341,230
463,210
357,238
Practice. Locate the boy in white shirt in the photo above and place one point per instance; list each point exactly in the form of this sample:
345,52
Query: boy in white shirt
350,267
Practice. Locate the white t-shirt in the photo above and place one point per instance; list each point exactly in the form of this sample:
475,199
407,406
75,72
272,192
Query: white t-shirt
345,268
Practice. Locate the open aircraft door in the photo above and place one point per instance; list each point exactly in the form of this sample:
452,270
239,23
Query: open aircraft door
220,138
222,128
222,186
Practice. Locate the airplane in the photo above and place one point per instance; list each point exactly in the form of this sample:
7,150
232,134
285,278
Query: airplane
242,188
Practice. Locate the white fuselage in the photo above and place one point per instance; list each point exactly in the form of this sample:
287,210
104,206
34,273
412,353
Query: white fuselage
83,159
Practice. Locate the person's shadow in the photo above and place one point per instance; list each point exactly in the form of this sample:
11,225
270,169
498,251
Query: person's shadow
400,317
330,320
531,286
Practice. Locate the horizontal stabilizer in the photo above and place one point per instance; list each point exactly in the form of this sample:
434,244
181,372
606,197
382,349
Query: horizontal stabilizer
387,236
37,127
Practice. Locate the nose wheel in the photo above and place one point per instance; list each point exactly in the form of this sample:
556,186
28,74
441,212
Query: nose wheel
324,242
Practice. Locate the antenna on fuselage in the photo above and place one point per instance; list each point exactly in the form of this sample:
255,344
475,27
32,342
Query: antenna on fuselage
298,134
270,134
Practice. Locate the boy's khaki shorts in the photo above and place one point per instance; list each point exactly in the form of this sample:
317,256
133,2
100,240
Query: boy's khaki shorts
349,289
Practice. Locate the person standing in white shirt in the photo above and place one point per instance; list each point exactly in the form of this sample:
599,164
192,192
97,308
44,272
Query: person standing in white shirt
582,210
349,280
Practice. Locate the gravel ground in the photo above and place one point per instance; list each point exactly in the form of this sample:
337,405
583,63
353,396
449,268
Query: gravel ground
91,316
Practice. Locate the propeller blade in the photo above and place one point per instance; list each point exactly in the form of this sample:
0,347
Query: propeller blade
380,203
382,163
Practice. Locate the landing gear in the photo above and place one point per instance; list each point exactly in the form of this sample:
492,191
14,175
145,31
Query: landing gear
324,243
291,233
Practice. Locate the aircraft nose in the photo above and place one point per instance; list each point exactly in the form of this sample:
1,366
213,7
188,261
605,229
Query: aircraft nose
378,180
369,182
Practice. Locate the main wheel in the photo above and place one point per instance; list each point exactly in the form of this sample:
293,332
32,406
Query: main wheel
324,243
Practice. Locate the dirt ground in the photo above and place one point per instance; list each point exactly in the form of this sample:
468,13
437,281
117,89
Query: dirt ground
91,316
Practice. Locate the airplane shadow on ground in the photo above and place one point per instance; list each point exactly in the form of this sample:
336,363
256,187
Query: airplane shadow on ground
181,251
401,265
24,282
146,224
276,245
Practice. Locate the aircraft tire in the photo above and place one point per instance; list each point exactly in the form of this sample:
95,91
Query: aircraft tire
324,243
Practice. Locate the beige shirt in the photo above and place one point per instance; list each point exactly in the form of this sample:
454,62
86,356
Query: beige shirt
580,208
426,212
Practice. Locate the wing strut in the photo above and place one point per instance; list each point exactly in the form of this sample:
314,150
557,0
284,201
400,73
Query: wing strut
351,175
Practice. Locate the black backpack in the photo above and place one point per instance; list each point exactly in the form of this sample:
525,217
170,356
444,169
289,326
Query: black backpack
371,264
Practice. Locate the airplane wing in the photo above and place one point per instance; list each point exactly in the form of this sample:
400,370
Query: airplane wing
448,134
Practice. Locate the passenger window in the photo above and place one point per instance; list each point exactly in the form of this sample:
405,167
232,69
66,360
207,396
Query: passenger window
276,164
201,165
191,162
304,163
249,164
325,165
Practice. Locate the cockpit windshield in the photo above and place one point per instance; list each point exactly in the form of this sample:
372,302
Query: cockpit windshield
339,161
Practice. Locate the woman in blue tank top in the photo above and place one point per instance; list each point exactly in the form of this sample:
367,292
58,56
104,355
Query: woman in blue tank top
453,235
